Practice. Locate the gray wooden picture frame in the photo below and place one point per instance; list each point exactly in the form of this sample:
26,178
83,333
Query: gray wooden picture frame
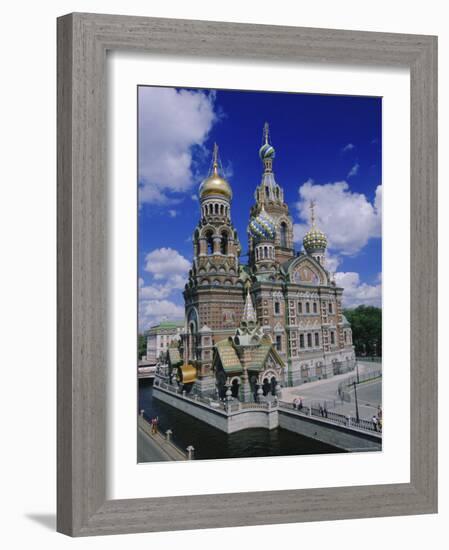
83,41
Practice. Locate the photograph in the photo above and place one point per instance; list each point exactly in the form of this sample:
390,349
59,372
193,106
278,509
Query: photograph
259,274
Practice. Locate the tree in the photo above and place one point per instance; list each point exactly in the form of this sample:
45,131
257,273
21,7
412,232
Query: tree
142,345
366,324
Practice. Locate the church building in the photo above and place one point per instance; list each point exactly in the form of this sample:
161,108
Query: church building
275,320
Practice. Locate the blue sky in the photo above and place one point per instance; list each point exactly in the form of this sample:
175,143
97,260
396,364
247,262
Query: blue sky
328,148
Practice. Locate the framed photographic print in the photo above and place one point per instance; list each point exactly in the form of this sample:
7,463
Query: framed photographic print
247,274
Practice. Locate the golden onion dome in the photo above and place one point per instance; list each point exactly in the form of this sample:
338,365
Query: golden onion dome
215,184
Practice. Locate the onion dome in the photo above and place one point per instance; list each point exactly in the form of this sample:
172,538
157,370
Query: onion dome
262,227
314,240
215,184
267,151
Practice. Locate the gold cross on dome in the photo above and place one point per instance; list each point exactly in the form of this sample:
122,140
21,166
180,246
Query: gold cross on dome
312,212
266,131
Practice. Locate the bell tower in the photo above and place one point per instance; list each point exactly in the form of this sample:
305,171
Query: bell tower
213,296
269,195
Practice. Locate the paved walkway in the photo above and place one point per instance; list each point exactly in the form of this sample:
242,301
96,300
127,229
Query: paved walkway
369,393
154,447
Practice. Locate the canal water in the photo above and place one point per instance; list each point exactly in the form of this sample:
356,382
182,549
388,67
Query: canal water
212,443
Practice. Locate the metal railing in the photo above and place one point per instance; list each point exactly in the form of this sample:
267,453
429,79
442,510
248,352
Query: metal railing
227,406
333,417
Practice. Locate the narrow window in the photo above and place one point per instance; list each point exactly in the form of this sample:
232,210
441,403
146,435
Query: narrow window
210,243
317,339
279,342
309,340
330,307
315,309
300,307
307,307
283,235
224,243
301,340
277,308
332,337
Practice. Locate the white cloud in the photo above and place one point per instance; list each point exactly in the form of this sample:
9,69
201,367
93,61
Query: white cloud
348,147
349,219
169,270
172,123
332,262
152,312
165,263
357,293
172,213
354,170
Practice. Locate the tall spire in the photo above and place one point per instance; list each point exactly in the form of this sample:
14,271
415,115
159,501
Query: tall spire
249,313
312,213
215,160
266,132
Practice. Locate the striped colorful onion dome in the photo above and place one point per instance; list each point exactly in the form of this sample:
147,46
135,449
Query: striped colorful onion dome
314,240
267,151
262,228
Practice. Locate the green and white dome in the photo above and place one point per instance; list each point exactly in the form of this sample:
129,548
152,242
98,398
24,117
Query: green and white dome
314,241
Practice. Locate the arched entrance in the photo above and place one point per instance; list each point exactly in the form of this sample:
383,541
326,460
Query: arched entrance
235,387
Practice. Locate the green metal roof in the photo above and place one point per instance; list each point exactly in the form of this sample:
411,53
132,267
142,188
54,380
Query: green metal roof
228,356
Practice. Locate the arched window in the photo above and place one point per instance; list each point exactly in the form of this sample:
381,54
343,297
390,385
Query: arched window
222,209
300,307
224,243
265,252
216,208
301,340
209,242
315,308
307,307
267,191
309,340
283,234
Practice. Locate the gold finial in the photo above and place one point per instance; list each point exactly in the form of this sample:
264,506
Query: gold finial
266,131
215,159
312,213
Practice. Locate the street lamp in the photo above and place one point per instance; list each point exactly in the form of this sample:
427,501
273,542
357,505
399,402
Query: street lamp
356,403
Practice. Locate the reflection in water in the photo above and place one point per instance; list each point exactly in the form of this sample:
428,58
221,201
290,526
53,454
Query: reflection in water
212,443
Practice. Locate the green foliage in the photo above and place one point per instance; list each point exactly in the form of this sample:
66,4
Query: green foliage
142,345
366,324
